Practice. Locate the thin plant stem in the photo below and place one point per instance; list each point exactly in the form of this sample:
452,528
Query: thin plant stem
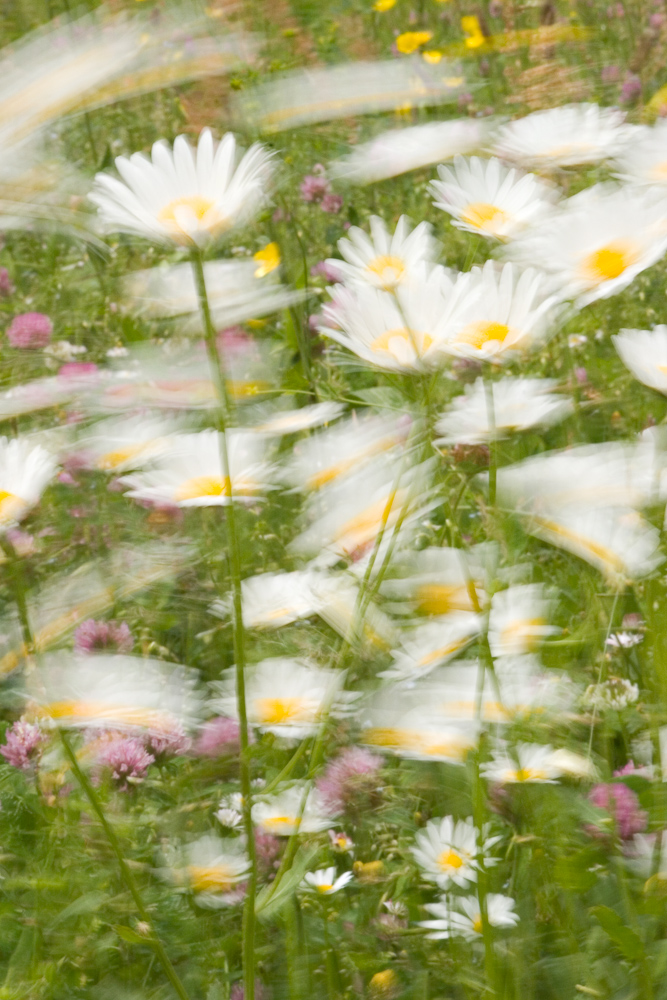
606,639
493,457
224,415
125,870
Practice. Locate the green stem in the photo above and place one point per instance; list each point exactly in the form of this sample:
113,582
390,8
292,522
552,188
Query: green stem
493,458
224,413
125,870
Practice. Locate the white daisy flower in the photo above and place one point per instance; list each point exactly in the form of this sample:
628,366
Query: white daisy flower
229,817
448,851
25,470
211,869
564,137
324,881
282,814
518,404
429,645
644,353
437,581
598,242
184,196
405,722
399,150
113,691
488,198
624,640
329,455
120,444
281,422
505,311
284,696
337,597
271,600
385,260
644,161
462,917
235,293
190,473
401,331
530,763
518,620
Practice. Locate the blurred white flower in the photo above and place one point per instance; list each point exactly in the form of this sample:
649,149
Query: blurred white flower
644,160
25,470
210,868
437,581
282,814
488,198
448,851
183,196
190,473
280,422
529,763
564,137
400,150
431,644
615,693
273,599
404,721
518,404
461,916
518,620
123,443
384,260
644,352
598,241
325,882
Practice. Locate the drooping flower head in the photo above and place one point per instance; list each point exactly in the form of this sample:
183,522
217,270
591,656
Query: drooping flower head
181,195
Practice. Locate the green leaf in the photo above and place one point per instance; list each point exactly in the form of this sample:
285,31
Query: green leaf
382,396
629,943
88,903
273,898
127,934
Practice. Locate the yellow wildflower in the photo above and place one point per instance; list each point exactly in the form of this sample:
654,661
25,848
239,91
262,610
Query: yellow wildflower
473,31
268,259
409,41
381,5
432,55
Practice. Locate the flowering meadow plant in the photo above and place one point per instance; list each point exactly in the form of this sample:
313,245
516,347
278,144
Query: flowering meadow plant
333,474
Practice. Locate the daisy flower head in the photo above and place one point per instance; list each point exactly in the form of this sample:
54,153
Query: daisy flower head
518,620
190,473
431,644
568,136
644,161
462,917
119,444
598,242
211,869
102,691
282,814
399,332
448,851
405,722
284,696
184,196
490,199
400,150
530,763
25,470
518,404
505,311
384,260
644,353
436,582
279,422
324,882
271,600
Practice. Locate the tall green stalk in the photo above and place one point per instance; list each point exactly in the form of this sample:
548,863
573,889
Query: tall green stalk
224,419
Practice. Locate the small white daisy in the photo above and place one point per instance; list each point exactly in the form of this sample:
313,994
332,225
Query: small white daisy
211,869
518,620
324,881
448,851
462,917
120,444
384,260
564,137
488,198
181,195
281,814
437,581
271,600
644,353
518,404
530,763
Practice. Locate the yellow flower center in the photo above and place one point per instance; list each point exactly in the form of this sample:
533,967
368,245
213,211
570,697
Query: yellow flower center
280,824
440,599
204,486
593,548
414,741
278,710
268,259
449,859
389,269
529,774
112,459
479,334
395,342
441,652
659,172
324,887
107,711
608,262
525,631
11,507
488,218
477,924
183,215
207,878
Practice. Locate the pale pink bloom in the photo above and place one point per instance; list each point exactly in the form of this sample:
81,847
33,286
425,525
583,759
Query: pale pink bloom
23,743
30,330
352,773
623,805
219,738
127,759
92,636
